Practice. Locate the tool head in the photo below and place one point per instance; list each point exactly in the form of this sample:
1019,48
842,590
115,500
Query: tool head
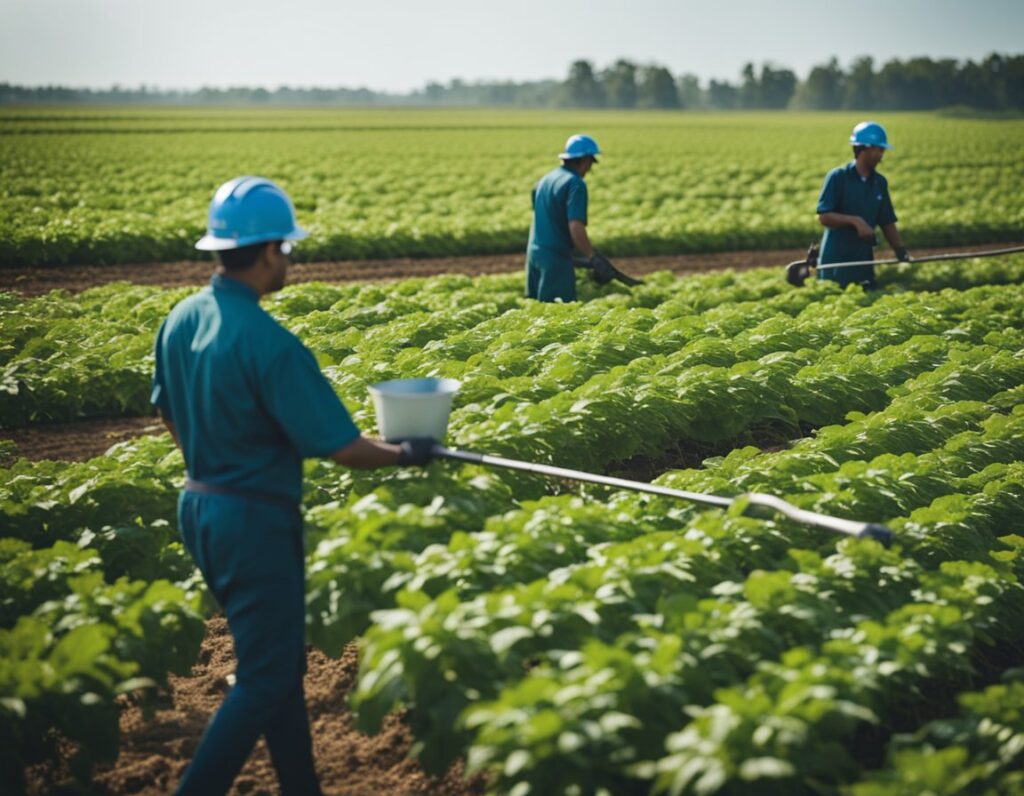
797,273
879,533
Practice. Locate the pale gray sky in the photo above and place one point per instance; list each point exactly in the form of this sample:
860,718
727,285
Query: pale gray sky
400,45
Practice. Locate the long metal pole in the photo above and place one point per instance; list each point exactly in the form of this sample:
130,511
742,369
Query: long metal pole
812,518
926,259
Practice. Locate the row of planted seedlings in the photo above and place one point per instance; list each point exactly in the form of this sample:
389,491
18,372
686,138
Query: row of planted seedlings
360,567
591,665
956,354
403,491
63,357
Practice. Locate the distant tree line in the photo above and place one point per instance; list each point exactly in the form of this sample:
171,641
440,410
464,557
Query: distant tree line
996,83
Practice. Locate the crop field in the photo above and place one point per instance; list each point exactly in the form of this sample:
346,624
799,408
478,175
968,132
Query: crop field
113,186
558,639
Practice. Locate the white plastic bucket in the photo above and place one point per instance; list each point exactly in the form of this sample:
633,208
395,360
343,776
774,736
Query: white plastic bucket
413,407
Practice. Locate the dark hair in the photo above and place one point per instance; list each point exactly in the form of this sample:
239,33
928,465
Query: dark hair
857,149
243,257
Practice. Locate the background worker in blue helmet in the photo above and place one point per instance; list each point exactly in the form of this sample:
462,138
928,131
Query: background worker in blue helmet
854,200
560,223
246,402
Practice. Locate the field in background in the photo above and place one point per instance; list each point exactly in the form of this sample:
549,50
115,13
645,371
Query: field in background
132,185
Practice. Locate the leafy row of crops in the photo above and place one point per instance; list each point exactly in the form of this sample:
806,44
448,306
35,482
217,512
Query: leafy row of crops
574,641
133,186
64,357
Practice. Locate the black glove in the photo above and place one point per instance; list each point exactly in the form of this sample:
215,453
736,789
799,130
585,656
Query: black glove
416,451
902,254
604,271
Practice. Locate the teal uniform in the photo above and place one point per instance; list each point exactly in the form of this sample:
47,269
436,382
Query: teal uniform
248,402
558,198
845,191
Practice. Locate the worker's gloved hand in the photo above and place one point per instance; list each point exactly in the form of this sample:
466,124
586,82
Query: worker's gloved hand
903,255
416,451
603,270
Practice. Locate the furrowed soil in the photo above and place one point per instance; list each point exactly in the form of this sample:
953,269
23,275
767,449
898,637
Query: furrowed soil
75,278
155,751
77,441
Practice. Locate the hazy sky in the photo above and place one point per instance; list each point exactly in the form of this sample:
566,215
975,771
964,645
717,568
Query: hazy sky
402,44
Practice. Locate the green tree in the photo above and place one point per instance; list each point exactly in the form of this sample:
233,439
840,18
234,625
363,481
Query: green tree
859,91
722,95
777,86
657,88
581,88
689,91
619,83
749,95
823,89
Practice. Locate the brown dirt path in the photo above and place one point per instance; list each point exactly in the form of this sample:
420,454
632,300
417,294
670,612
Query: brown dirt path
74,278
155,751
79,440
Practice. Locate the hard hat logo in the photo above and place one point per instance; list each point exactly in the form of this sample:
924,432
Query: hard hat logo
870,134
246,211
580,146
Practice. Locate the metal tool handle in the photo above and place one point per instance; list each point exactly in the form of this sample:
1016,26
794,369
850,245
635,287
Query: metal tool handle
931,258
811,518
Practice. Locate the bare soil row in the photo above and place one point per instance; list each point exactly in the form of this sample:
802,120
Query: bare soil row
155,750
75,278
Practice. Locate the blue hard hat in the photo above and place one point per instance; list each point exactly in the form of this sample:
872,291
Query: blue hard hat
579,146
248,210
870,134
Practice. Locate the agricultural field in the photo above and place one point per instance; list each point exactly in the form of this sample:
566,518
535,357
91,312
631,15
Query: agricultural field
559,639
114,186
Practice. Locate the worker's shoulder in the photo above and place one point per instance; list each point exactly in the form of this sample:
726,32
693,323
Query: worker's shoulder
271,335
189,307
560,177
842,170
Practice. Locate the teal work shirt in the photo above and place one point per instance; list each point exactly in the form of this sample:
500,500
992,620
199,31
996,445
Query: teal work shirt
247,398
845,191
558,198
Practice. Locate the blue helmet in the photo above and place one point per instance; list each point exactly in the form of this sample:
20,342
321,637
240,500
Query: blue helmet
248,210
580,146
870,134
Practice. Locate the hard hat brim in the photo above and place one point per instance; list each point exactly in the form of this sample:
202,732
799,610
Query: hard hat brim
861,143
211,243
567,156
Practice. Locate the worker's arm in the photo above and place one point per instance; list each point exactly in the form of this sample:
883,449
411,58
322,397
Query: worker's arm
835,220
580,239
366,453
173,430
893,236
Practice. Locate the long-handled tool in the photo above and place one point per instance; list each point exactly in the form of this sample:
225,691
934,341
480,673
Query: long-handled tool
797,272
860,530
603,271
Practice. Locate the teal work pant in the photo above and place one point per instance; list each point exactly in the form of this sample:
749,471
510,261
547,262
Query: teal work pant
863,275
550,280
250,552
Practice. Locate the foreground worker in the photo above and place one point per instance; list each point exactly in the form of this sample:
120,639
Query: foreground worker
246,402
854,200
560,223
